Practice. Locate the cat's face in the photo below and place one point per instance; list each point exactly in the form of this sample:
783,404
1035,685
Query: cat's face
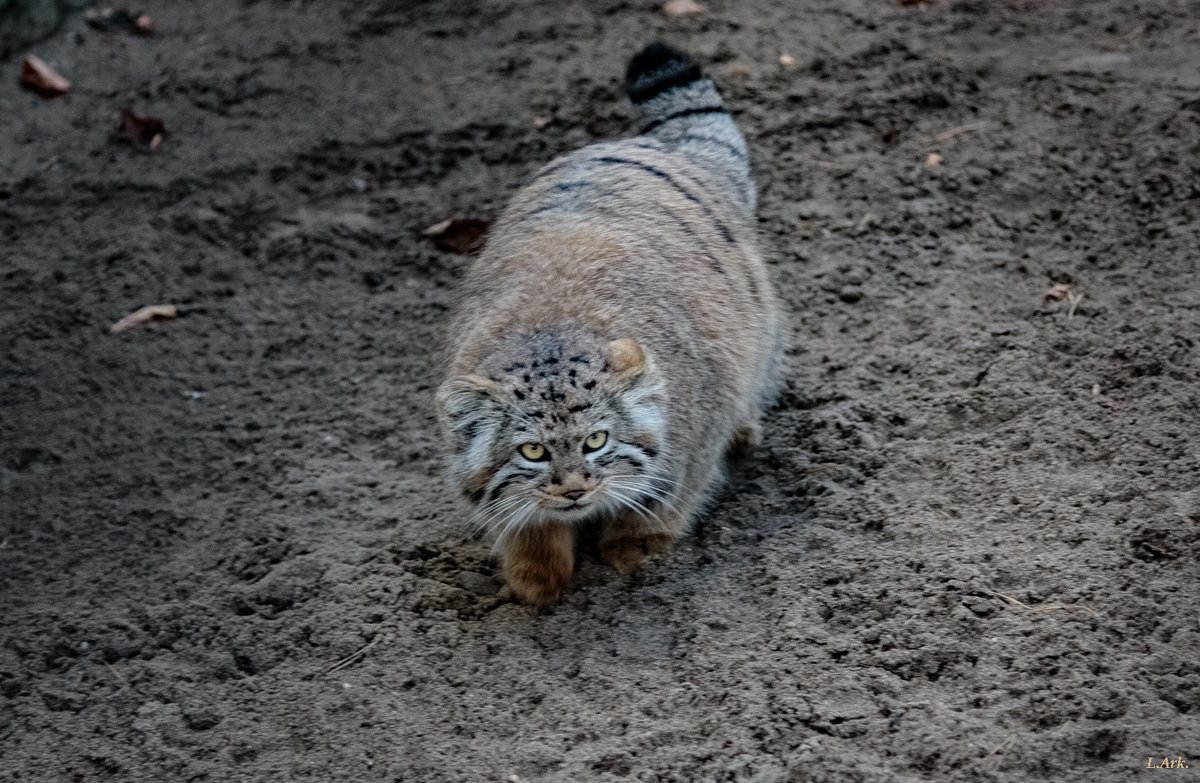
556,430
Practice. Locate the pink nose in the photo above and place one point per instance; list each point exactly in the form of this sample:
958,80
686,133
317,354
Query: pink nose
574,494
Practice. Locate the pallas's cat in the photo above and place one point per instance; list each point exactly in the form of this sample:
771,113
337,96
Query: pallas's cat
618,336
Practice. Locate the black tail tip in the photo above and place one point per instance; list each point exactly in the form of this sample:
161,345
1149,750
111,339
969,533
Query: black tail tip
658,68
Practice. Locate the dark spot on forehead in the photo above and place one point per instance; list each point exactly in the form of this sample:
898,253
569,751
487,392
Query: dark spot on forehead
579,359
537,414
590,385
520,395
583,406
552,360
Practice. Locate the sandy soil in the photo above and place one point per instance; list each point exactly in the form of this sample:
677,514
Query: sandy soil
967,551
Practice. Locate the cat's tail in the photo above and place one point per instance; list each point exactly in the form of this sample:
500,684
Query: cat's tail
679,106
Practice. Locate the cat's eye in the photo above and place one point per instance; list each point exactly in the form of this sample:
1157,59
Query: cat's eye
595,441
534,452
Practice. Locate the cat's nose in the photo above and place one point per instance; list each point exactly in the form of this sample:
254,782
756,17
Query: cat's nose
574,494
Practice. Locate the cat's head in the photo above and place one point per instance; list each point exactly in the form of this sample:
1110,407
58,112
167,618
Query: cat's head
557,427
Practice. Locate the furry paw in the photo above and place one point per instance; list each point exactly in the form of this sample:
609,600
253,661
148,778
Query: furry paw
539,584
538,563
626,553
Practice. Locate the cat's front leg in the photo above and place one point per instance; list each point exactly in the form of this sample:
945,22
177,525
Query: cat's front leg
629,540
538,561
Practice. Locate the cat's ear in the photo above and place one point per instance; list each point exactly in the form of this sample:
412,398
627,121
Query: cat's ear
463,399
626,359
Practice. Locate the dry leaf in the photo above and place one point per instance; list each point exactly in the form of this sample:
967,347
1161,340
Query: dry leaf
1058,292
145,315
933,160
786,59
36,75
464,236
682,8
146,133
738,70
120,20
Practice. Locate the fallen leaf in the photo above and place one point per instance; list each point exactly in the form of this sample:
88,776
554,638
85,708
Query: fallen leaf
674,8
36,75
146,133
1058,292
145,315
933,160
738,70
786,59
120,20
465,236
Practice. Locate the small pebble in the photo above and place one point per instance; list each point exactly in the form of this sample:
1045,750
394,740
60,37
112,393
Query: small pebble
850,293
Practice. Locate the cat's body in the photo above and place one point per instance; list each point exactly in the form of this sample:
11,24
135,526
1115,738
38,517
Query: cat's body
617,336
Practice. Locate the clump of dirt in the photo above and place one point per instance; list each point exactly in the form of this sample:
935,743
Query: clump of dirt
966,551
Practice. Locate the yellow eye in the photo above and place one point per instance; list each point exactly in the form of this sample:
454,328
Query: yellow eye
534,452
595,441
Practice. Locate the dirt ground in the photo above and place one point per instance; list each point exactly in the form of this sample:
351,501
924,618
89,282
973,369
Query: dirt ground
969,549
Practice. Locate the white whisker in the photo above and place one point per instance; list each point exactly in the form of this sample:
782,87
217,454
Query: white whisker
515,520
637,484
483,517
639,509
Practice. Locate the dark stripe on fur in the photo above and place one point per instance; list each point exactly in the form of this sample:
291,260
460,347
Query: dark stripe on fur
753,288
734,151
686,229
685,113
509,479
726,234
649,452
656,69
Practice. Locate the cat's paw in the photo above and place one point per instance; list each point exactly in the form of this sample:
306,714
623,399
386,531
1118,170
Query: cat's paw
536,583
626,553
538,563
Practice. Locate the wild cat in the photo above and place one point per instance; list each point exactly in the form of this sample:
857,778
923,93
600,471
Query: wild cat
616,338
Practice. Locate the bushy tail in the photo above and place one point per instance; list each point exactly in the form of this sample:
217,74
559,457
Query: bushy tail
665,84
679,106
